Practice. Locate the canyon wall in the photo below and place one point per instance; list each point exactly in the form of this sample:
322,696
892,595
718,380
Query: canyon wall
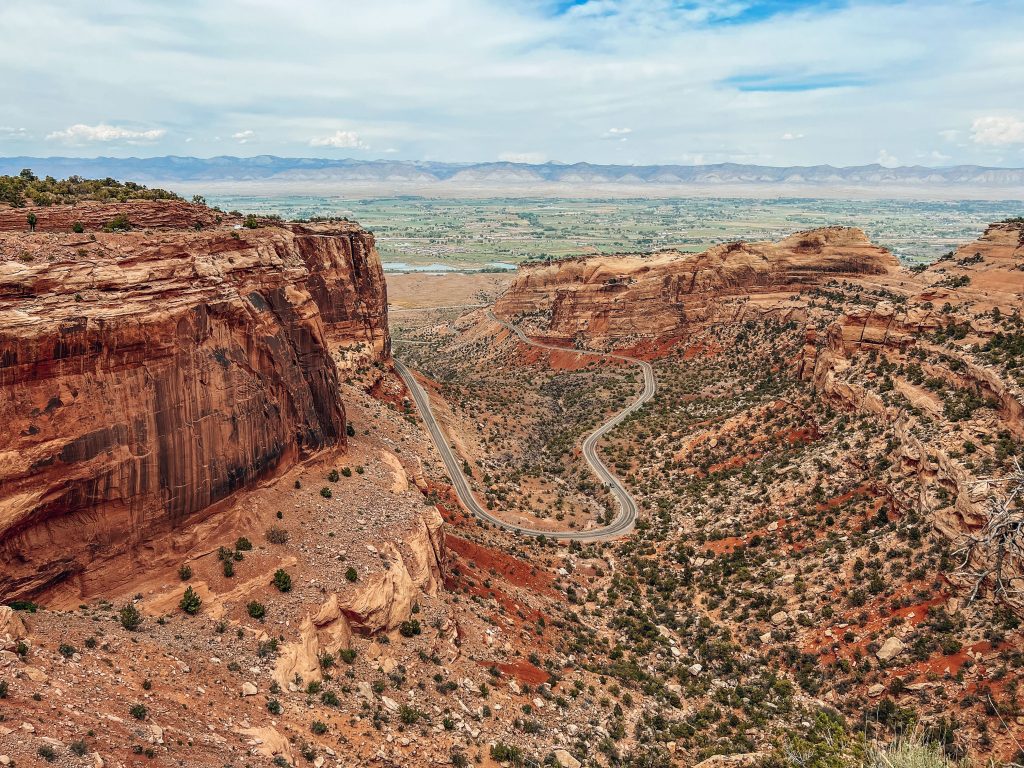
931,473
146,375
615,300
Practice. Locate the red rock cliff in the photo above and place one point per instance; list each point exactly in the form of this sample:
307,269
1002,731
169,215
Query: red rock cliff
144,376
618,299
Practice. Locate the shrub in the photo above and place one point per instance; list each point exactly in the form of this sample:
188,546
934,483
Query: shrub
185,572
319,727
256,610
243,544
506,753
229,568
276,535
348,655
130,617
119,223
48,753
4,689
351,574
326,492
251,222
274,707
346,471
79,747
282,580
330,698
909,752
78,228
409,628
138,711
333,476
67,651
409,715
191,602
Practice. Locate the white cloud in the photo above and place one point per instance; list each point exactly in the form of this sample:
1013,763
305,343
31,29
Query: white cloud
79,133
997,131
791,136
886,159
340,140
533,158
493,75
244,137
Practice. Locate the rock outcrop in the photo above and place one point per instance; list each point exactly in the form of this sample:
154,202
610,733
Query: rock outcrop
616,300
415,565
146,375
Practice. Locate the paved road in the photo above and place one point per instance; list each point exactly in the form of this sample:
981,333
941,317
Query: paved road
623,522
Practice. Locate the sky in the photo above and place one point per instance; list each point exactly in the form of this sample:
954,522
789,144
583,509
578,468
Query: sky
773,82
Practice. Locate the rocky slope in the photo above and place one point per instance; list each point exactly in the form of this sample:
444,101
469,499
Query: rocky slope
629,299
147,375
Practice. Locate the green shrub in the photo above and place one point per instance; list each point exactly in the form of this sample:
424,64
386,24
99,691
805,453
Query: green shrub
319,727
130,617
506,753
78,228
282,580
191,602
119,223
351,574
138,711
48,753
409,628
243,544
274,707
185,572
326,492
333,476
256,610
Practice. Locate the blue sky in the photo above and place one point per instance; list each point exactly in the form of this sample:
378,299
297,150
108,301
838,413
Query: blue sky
776,82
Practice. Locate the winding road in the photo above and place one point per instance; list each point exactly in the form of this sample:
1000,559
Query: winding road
623,522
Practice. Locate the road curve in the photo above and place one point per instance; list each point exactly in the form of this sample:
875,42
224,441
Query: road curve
623,522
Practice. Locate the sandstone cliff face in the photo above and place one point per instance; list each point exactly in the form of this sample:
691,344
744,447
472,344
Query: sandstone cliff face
612,300
145,376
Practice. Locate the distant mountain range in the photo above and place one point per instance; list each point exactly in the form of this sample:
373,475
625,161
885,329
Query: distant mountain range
399,175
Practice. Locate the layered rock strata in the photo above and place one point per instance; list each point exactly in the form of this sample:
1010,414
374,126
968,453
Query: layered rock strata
146,375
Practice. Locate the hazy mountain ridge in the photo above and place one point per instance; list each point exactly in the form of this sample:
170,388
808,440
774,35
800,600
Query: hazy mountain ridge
272,168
